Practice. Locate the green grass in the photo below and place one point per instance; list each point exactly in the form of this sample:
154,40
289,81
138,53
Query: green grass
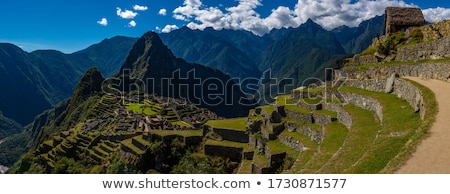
335,135
261,160
236,123
326,113
128,143
297,109
311,90
182,124
313,126
276,147
246,167
363,153
245,146
360,139
311,100
137,108
421,133
284,100
149,111
268,108
306,141
184,133
363,68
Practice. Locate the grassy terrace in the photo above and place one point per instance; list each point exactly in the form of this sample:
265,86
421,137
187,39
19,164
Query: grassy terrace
360,139
261,160
306,141
311,100
370,146
395,63
297,109
239,124
128,143
312,90
268,108
140,109
276,147
245,146
334,139
284,100
246,167
184,133
182,124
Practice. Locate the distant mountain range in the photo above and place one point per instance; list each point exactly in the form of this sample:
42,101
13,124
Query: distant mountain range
37,81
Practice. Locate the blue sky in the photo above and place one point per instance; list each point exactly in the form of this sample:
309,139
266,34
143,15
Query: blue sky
69,26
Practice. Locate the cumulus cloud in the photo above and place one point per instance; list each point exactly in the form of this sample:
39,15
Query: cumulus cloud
328,13
140,8
169,28
103,22
436,14
127,14
132,23
162,12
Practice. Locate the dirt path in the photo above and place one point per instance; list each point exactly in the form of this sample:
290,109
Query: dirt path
433,154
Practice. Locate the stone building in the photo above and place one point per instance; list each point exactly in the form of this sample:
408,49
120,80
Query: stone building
400,18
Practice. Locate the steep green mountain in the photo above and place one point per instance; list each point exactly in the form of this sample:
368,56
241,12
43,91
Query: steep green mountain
150,59
355,40
301,53
232,52
8,127
36,81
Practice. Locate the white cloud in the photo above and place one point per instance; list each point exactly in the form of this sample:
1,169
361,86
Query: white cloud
140,8
132,23
436,14
328,13
157,28
169,28
163,12
127,14
103,22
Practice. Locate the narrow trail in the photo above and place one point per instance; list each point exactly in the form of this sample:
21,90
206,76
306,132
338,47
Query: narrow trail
433,153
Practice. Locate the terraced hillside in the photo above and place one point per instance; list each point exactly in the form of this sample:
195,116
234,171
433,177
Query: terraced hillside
122,129
360,132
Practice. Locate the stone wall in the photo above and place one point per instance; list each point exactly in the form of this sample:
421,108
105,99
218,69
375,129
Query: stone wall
439,71
402,88
343,116
290,142
306,118
233,153
322,119
364,59
305,130
438,49
364,102
232,135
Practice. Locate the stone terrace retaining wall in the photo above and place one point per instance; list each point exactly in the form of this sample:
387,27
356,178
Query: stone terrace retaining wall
402,88
232,135
290,142
364,102
428,50
343,116
307,131
439,71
